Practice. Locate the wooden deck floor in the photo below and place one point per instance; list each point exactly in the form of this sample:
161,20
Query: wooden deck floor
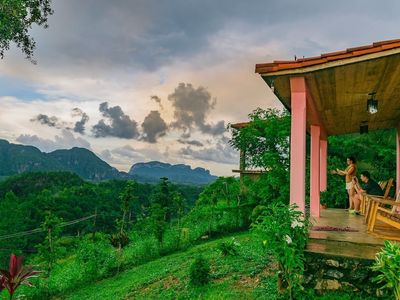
358,244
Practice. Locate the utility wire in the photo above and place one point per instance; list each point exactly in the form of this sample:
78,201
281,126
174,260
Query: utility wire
37,230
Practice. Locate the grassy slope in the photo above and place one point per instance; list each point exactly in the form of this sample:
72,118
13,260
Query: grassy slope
248,275
234,277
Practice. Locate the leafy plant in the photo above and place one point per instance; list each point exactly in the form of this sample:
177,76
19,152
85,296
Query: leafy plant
229,247
387,262
200,272
16,275
16,18
285,232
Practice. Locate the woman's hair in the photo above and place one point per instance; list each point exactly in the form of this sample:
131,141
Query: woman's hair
352,158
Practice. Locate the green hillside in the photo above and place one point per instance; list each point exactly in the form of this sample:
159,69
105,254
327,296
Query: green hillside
248,275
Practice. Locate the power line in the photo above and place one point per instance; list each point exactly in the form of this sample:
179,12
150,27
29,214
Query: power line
37,230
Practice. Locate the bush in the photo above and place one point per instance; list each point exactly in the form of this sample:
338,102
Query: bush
285,232
388,264
98,259
200,272
229,247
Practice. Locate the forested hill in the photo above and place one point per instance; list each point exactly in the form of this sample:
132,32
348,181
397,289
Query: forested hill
16,159
152,171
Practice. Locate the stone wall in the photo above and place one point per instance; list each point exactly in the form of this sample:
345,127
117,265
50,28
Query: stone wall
327,272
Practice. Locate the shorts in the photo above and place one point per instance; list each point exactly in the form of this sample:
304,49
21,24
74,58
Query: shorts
349,185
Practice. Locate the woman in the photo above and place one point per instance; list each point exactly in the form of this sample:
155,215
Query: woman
349,173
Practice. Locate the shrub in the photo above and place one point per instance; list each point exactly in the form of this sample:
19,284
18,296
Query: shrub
200,272
285,232
229,247
388,264
98,259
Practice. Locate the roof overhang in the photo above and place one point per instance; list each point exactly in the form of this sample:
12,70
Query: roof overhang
339,83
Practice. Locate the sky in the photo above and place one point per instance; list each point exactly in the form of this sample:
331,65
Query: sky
137,81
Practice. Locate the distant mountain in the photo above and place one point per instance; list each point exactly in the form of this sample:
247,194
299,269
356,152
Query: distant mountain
184,174
16,159
86,164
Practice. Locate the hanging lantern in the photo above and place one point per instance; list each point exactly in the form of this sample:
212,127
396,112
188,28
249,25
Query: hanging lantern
372,104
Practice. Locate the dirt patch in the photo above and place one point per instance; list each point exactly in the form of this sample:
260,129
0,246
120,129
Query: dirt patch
170,281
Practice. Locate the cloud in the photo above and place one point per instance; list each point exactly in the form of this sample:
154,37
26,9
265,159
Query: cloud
191,107
128,152
157,100
65,141
80,125
49,121
153,127
191,142
221,153
120,126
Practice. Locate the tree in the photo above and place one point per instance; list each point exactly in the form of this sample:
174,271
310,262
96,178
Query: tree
266,144
47,249
126,198
160,211
16,18
179,204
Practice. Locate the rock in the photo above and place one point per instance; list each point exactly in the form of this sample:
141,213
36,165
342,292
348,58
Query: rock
332,263
327,284
334,273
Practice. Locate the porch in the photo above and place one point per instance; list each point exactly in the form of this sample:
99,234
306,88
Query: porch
338,233
333,94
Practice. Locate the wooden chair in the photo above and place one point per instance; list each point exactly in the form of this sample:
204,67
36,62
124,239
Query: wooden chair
382,184
389,216
365,203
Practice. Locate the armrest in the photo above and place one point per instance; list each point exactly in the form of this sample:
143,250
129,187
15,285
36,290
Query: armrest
381,200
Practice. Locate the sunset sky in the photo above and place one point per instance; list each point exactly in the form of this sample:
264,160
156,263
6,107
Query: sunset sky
159,80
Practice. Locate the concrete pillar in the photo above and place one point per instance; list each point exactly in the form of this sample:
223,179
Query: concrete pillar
298,142
323,165
315,171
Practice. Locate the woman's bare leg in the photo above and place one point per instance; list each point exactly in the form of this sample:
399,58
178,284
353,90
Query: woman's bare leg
357,201
351,194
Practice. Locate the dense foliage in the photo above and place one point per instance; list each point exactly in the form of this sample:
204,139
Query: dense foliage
265,141
16,18
25,200
388,265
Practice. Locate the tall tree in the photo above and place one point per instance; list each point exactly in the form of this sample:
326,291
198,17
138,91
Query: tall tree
17,18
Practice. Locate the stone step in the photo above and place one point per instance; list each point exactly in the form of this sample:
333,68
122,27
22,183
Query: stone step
342,249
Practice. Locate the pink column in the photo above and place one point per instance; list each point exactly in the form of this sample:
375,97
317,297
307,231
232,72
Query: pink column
398,160
298,142
323,164
314,170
